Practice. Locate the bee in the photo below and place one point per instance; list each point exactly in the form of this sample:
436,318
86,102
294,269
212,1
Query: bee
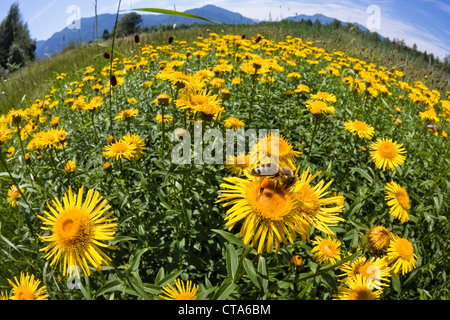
433,128
276,176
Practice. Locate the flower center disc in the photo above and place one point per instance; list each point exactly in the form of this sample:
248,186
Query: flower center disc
360,294
403,198
387,150
328,248
404,248
360,126
73,229
271,204
119,147
23,293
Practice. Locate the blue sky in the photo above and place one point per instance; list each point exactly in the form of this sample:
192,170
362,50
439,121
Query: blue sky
423,22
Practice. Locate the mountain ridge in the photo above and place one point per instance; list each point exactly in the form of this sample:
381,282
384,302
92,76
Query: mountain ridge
59,40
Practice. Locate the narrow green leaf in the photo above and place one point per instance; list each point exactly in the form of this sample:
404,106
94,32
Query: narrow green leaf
262,272
115,285
174,13
139,289
396,284
230,237
169,278
232,260
160,275
251,272
226,288
136,259
363,173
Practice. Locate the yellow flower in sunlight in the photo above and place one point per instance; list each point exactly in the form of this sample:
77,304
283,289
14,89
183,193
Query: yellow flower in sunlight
78,231
360,128
387,154
27,288
398,201
183,291
326,250
401,255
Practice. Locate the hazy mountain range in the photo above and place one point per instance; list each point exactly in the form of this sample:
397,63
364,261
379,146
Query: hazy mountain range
86,32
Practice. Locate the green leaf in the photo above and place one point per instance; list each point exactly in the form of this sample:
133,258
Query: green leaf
140,290
230,237
262,272
115,285
169,278
225,289
122,239
396,284
174,13
251,272
232,260
136,259
363,173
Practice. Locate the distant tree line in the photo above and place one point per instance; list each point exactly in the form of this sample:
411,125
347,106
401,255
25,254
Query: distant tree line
16,46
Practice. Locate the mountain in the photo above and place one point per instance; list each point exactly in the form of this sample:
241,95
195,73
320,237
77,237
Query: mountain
323,19
86,33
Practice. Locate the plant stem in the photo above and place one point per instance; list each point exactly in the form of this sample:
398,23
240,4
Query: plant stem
15,183
111,68
237,275
317,121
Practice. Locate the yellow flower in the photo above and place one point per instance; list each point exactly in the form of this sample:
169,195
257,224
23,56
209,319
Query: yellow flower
237,165
233,123
378,239
401,255
375,270
4,295
314,208
296,260
269,214
132,101
16,116
163,99
11,152
137,143
387,154
13,194
274,148
318,107
167,118
52,138
357,288
398,201
27,288
183,291
127,114
326,250
5,132
77,231
302,88
324,96
429,115
70,166
119,150
362,129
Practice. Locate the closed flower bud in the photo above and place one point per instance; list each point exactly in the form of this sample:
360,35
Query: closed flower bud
113,80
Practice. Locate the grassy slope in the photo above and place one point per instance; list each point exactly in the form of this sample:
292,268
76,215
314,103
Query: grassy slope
35,80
